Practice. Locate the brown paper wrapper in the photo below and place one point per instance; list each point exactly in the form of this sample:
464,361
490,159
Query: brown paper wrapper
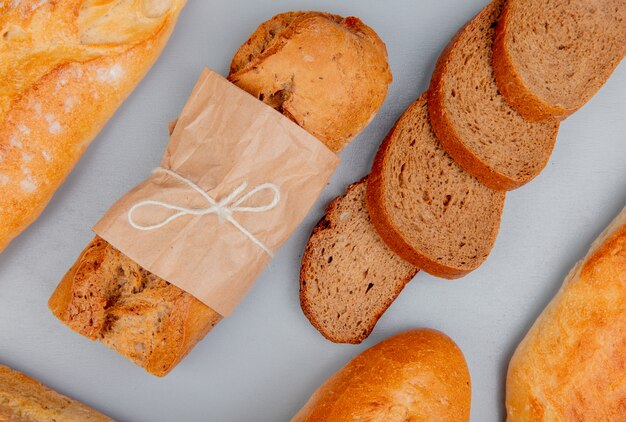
223,138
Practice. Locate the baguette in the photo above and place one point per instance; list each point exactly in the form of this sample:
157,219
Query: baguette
551,56
349,277
106,296
24,399
420,375
65,67
571,364
424,206
479,130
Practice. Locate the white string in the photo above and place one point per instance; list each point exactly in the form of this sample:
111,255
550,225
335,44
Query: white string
223,209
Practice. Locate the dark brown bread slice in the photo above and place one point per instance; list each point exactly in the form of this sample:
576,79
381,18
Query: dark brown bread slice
551,56
475,125
348,276
425,207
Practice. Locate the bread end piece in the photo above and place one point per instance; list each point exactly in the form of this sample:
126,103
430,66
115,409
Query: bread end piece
107,297
379,384
328,74
349,277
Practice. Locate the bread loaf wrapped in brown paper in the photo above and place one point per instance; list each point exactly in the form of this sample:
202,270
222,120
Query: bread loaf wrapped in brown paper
65,67
108,297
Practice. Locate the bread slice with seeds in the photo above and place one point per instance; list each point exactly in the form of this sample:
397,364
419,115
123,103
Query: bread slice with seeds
551,56
475,125
348,276
424,206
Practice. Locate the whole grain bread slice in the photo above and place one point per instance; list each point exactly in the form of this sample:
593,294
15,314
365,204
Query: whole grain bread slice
349,277
475,125
424,206
551,56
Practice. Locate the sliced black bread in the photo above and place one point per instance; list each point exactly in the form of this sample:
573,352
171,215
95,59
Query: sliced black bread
425,207
475,125
348,276
551,56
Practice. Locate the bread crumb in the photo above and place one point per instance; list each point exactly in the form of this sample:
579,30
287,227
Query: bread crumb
4,179
26,157
37,5
54,127
28,185
309,58
46,155
344,216
110,75
24,129
15,142
37,108
68,104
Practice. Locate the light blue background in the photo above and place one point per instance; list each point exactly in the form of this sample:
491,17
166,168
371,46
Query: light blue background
262,363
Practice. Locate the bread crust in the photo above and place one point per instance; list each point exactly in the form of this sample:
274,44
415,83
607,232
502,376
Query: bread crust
46,125
328,74
384,225
379,384
510,83
452,141
187,323
570,365
307,308
23,398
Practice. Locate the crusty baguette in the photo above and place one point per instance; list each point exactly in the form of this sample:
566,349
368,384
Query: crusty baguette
24,399
424,206
481,132
572,364
65,67
551,56
349,277
297,62
155,324
420,375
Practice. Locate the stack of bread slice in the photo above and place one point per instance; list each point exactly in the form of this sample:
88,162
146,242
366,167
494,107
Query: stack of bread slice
487,125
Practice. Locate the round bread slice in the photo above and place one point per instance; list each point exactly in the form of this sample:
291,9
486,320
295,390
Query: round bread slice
349,277
328,74
475,125
424,206
551,56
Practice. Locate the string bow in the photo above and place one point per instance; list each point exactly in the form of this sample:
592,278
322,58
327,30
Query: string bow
223,209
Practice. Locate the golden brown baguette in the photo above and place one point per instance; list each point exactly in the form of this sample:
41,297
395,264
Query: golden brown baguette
572,364
65,67
24,399
106,296
419,375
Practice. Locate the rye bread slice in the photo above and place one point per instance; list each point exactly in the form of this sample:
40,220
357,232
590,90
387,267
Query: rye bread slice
348,276
551,56
475,125
424,206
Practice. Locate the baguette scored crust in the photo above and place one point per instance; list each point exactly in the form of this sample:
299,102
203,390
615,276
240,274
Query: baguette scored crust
24,399
108,297
65,67
419,375
571,364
